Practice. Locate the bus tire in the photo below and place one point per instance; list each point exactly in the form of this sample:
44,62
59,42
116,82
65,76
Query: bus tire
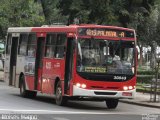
112,103
60,100
23,92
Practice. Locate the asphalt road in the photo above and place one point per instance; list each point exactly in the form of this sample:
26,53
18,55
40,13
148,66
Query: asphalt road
43,107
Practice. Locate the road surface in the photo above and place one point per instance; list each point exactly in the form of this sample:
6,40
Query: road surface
43,107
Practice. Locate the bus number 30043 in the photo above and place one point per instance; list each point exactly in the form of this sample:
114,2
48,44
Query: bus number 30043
120,78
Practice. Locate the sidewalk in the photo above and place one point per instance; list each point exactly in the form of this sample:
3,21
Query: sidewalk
142,99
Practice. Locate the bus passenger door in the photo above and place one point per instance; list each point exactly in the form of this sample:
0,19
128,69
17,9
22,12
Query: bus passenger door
39,58
13,59
69,63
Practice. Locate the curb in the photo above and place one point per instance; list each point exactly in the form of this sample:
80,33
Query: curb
139,103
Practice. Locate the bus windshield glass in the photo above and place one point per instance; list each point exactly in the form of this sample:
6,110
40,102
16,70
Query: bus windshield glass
105,56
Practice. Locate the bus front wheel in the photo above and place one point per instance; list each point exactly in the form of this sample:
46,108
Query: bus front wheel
112,103
23,91
60,99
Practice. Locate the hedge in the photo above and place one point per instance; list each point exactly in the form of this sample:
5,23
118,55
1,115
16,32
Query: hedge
144,78
145,72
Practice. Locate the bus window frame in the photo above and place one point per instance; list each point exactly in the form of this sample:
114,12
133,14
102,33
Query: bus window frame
29,45
20,44
56,45
51,45
64,45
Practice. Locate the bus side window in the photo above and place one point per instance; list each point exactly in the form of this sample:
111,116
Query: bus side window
8,46
60,46
31,47
22,44
50,45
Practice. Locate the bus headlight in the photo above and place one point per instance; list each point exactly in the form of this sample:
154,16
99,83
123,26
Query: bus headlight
81,85
78,85
130,87
125,88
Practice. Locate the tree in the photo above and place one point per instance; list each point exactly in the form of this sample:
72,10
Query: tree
89,11
141,14
51,12
19,13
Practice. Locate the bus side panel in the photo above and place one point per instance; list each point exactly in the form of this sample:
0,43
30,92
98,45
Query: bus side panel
58,67
19,68
47,86
29,69
39,80
29,80
52,69
48,76
6,69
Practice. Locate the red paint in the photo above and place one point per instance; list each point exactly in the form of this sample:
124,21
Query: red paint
53,68
41,34
39,79
54,29
47,86
29,82
104,85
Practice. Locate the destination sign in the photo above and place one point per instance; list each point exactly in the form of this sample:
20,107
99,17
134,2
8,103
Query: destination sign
105,32
95,69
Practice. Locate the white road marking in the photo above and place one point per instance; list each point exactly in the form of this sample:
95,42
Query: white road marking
60,118
52,112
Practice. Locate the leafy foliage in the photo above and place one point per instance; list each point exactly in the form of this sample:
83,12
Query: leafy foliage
142,15
89,11
19,13
51,12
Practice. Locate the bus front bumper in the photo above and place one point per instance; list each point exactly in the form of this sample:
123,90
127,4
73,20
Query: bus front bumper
103,94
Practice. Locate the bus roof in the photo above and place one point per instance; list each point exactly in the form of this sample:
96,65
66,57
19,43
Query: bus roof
70,28
41,29
101,26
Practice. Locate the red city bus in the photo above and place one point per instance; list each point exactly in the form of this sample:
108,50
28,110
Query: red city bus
92,62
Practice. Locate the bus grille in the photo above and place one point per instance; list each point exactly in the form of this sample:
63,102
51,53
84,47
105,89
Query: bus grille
101,87
105,93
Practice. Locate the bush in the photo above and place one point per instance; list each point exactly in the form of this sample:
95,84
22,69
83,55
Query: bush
144,78
139,72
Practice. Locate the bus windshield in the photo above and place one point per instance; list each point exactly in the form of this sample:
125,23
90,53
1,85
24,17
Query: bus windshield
105,56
